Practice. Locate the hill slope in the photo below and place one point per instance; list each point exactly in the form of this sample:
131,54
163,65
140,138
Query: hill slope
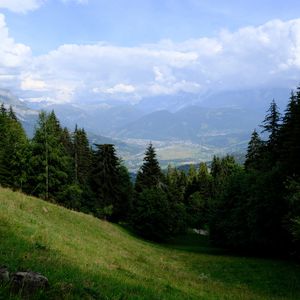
85,258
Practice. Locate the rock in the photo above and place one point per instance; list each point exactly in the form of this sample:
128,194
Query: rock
28,282
4,274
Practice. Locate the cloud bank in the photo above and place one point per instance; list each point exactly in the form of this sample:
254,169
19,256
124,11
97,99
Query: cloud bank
251,57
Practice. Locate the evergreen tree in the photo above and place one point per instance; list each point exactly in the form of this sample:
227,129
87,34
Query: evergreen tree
289,145
271,126
151,214
157,211
254,151
123,207
192,174
204,181
105,180
150,174
13,150
82,156
49,161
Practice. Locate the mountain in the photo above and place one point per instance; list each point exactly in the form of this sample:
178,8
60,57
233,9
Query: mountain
217,127
27,116
170,103
254,99
99,118
185,128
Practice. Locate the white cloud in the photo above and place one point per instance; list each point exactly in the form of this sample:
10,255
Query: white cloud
28,83
14,57
21,6
267,55
117,89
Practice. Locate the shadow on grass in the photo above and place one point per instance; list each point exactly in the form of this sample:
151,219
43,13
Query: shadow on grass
264,276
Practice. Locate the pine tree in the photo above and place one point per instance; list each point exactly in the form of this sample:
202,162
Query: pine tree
150,174
192,174
49,161
289,143
105,180
13,150
271,124
204,181
82,156
254,151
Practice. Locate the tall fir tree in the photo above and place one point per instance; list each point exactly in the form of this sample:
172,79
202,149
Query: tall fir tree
150,174
289,145
254,151
50,160
13,150
82,156
105,180
271,125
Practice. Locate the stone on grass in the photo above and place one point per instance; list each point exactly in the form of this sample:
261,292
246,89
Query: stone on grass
28,282
4,274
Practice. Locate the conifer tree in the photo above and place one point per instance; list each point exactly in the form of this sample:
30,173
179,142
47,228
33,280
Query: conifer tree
49,161
13,150
82,156
105,179
150,174
289,137
254,151
204,181
271,124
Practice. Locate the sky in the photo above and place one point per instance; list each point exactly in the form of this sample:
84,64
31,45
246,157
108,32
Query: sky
63,51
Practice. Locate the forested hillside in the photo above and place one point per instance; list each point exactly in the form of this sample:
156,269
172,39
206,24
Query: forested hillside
253,208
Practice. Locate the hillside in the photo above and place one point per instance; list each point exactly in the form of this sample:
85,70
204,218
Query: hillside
85,258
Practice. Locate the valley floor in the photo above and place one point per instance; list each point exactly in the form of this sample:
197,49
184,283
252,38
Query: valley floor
85,258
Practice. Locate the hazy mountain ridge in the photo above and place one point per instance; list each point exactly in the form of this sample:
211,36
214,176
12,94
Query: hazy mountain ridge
186,128
197,124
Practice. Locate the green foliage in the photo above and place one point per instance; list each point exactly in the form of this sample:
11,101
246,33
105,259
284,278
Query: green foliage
254,151
197,210
271,124
82,156
221,170
150,175
13,150
152,217
295,228
158,212
259,208
110,183
49,160
292,219
248,214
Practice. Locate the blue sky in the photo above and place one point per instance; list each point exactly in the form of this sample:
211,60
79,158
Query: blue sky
133,22
69,50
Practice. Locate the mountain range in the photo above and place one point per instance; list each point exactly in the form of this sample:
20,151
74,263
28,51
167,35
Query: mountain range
186,127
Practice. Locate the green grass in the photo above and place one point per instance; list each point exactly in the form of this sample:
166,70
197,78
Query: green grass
85,258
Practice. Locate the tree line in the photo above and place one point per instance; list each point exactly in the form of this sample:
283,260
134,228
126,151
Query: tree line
253,207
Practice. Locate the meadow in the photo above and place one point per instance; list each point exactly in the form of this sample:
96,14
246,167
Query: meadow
87,258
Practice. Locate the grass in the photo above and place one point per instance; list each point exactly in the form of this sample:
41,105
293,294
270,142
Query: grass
85,258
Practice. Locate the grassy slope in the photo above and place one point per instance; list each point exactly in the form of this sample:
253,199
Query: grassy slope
85,258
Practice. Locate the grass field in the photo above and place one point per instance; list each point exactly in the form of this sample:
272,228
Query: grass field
85,258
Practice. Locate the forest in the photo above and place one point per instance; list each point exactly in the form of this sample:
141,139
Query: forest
252,208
